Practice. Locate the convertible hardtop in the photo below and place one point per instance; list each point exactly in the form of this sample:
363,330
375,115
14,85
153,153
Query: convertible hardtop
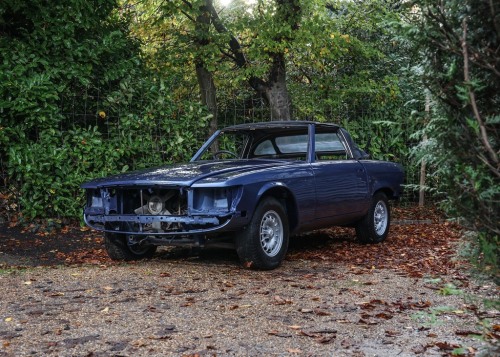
260,130
279,126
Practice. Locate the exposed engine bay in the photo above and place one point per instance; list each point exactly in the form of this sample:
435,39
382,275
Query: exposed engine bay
161,203
157,211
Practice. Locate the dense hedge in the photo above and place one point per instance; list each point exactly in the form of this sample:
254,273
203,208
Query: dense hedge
76,102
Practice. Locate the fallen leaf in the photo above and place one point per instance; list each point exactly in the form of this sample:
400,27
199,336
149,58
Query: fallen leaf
278,300
279,334
139,343
366,322
248,265
57,293
390,333
445,346
467,333
384,315
308,334
325,339
320,312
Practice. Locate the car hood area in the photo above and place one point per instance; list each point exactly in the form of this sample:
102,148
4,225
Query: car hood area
187,174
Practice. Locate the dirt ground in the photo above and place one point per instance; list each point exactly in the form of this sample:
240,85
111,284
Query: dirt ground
408,296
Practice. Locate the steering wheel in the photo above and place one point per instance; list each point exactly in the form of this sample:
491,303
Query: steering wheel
220,152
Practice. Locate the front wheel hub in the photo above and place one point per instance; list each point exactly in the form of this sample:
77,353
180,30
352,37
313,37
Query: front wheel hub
271,233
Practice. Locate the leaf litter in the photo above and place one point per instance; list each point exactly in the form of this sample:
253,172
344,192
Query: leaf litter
331,294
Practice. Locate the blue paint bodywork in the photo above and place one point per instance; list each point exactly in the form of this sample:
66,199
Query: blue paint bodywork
318,188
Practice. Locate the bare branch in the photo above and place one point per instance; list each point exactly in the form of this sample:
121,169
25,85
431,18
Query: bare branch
188,16
484,135
234,46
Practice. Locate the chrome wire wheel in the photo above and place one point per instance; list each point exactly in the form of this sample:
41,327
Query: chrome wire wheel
380,217
271,233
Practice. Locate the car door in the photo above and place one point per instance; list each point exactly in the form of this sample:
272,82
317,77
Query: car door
341,181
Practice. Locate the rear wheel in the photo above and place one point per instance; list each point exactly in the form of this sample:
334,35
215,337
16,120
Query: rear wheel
264,242
374,227
127,247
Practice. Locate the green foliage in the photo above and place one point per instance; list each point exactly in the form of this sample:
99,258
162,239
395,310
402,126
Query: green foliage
76,102
449,289
75,84
483,251
463,134
432,317
340,60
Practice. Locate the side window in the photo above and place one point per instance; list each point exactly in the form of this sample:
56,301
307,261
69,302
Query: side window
292,147
292,144
329,147
265,148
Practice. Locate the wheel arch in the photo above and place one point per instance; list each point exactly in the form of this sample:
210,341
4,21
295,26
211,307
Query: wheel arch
390,194
285,196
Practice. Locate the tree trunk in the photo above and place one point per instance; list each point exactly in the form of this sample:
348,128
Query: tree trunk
274,88
204,76
421,193
423,165
208,93
276,91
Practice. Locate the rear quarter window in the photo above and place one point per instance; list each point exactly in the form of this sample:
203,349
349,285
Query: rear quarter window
329,147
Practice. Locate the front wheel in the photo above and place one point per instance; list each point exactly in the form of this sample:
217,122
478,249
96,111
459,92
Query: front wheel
127,247
264,242
374,227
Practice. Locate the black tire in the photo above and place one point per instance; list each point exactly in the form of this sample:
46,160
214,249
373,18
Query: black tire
264,242
374,227
121,247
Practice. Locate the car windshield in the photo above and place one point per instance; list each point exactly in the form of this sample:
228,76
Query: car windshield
227,145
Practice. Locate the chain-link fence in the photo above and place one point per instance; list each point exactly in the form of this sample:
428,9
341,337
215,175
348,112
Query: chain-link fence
158,134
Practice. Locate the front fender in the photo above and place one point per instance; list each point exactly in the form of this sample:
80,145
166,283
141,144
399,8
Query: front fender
287,196
270,186
252,195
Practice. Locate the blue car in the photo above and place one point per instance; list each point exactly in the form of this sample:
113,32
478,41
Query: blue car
250,187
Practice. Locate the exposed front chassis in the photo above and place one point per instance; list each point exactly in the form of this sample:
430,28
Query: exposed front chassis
161,211
99,222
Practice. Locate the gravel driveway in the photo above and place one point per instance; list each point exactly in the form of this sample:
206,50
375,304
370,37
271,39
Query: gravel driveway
212,307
